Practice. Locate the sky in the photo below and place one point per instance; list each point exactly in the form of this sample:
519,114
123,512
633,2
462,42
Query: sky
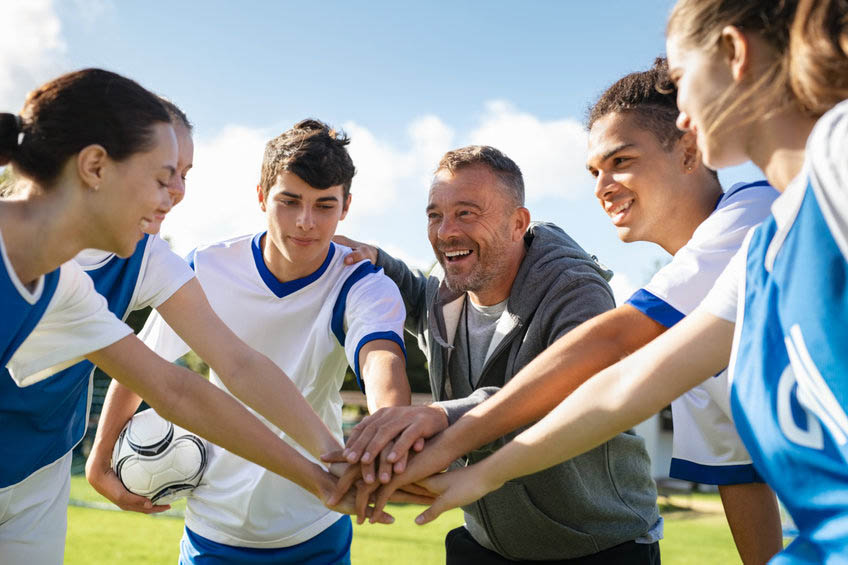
406,81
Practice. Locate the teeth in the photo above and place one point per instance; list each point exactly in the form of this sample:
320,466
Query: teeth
457,253
621,208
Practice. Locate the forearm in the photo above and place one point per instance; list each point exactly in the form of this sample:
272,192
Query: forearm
384,373
552,376
186,399
618,398
263,386
118,407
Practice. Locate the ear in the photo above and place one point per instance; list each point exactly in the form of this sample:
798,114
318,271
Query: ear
736,49
91,165
688,146
345,207
521,220
260,196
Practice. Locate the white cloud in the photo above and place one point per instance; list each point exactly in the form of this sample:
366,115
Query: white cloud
383,170
392,180
220,199
622,287
31,48
551,154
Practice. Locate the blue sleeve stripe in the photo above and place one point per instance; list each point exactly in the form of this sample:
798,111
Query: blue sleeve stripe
190,258
337,321
714,474
391,336
655,308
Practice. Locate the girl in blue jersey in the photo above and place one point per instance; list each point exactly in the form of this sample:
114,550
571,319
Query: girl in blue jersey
97,156
748,89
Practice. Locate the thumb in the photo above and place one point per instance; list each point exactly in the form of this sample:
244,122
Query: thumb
431,513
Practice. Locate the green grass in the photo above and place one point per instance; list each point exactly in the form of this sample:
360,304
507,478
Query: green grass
97,536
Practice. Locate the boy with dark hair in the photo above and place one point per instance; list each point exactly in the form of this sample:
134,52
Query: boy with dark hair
288,293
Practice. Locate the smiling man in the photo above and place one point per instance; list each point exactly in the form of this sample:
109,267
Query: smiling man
288,294
504,290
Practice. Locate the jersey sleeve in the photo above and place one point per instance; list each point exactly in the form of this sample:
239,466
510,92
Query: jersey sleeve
372,310
76,322
165,272
827,162
677,289
158,336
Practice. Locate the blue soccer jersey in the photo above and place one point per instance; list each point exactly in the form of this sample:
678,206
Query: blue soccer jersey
44,421
789,370
22,308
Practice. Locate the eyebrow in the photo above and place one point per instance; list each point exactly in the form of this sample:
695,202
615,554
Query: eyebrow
299,197
612,152
467,203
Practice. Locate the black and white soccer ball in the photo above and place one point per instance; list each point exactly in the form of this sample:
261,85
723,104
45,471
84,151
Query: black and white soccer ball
157,459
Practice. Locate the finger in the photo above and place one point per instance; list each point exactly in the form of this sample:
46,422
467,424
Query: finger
343,485
385,435
381,518
367,470
384,473
363,496
418,445
383,495
405,441
400,466
336,456
431,513
410,498
360,437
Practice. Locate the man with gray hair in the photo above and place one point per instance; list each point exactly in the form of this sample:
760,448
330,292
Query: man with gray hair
503,291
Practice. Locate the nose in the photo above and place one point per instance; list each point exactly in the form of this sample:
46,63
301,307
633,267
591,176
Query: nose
683,122
176,189
604,185
305,220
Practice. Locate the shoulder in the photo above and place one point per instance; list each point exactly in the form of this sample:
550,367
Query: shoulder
225,248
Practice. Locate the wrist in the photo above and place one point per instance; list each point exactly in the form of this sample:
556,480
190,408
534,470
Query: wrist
440,416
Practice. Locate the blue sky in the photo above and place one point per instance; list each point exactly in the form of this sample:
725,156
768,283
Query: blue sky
406,81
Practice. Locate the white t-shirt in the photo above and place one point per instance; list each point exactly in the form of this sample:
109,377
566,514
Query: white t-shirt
707,448
300,325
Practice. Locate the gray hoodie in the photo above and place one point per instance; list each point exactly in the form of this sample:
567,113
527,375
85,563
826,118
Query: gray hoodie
587,504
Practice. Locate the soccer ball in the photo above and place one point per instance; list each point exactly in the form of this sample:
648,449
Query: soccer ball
157,459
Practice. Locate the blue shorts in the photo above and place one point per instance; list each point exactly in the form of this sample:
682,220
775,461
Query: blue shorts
332,546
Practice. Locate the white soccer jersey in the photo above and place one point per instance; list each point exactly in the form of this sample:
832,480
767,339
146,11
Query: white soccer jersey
162,273
313,329
707,448
77,321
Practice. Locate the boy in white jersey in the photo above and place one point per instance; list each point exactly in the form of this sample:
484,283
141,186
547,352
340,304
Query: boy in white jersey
288,293
650,181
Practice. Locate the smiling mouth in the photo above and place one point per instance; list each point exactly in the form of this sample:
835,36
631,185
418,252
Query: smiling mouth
456,255
618,211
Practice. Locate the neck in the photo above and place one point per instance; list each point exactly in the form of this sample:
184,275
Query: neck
283,269
777,146
699,195
48,218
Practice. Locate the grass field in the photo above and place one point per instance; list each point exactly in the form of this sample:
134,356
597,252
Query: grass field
97,536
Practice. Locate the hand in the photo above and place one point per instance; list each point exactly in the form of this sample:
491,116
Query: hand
98,471
435,457
359,251
347,503
455,488
406,426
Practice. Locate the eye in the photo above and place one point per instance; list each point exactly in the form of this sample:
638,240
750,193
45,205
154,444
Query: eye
594,173
617,161
433,216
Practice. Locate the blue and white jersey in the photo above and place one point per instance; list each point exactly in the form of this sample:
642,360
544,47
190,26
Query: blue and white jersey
789,368
54,324
707,449
313,328
44,421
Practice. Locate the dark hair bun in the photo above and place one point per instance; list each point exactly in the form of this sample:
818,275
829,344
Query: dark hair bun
10,128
